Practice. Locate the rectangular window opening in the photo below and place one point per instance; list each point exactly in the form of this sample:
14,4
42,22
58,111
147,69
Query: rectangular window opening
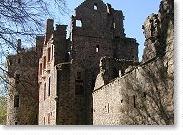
78,75
144,94
44,62
97,48
108,108
49,86
19,60
17,78
40,69
44,91
49,54
52,51
44,120
48,118
10,62
95,7
134,102
78,23
16,101
114,25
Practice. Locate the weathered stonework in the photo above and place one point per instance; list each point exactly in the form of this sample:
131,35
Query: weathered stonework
53,76
144,94
94,77
97,31
22,108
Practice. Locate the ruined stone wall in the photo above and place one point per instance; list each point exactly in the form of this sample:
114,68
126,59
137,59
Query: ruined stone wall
110,69
54,51
132,97
126,48
107,104
95,37
23,99
65,100
47,88
144,95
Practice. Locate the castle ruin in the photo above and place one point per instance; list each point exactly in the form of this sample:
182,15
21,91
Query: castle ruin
94,76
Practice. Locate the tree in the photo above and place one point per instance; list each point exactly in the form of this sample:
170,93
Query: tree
152,88
152,83
23,19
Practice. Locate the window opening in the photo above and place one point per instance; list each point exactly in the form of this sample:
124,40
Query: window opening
114,25
108,108
44,91
49,86
48,118
40,70
134,104
95,7
44,63
78,23
52,51
16,101
17,78
97,48
19,60
49,53
78,75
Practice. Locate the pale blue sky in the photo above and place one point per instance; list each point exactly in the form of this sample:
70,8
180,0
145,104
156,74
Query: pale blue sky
135,12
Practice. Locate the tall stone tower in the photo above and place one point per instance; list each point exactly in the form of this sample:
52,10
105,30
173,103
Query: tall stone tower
22,108
54,53
97,31
68,67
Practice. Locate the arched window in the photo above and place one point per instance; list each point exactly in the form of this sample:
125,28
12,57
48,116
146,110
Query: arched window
97,48
95,7
114,25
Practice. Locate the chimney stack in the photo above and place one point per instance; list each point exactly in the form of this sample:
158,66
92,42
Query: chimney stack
49,29
19,45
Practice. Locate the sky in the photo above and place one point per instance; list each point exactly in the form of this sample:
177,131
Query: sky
135,12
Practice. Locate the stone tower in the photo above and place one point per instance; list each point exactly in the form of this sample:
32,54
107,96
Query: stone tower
23,98
54,102
97,31
68,67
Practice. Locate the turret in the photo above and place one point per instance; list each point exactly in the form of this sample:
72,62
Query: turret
49,29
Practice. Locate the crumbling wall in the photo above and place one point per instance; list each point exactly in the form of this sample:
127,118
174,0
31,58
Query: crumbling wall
54,50
141,96
144,95
96,27
110,69
23,97
65,96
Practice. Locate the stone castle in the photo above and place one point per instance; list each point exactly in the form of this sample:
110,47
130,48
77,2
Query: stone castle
94,76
